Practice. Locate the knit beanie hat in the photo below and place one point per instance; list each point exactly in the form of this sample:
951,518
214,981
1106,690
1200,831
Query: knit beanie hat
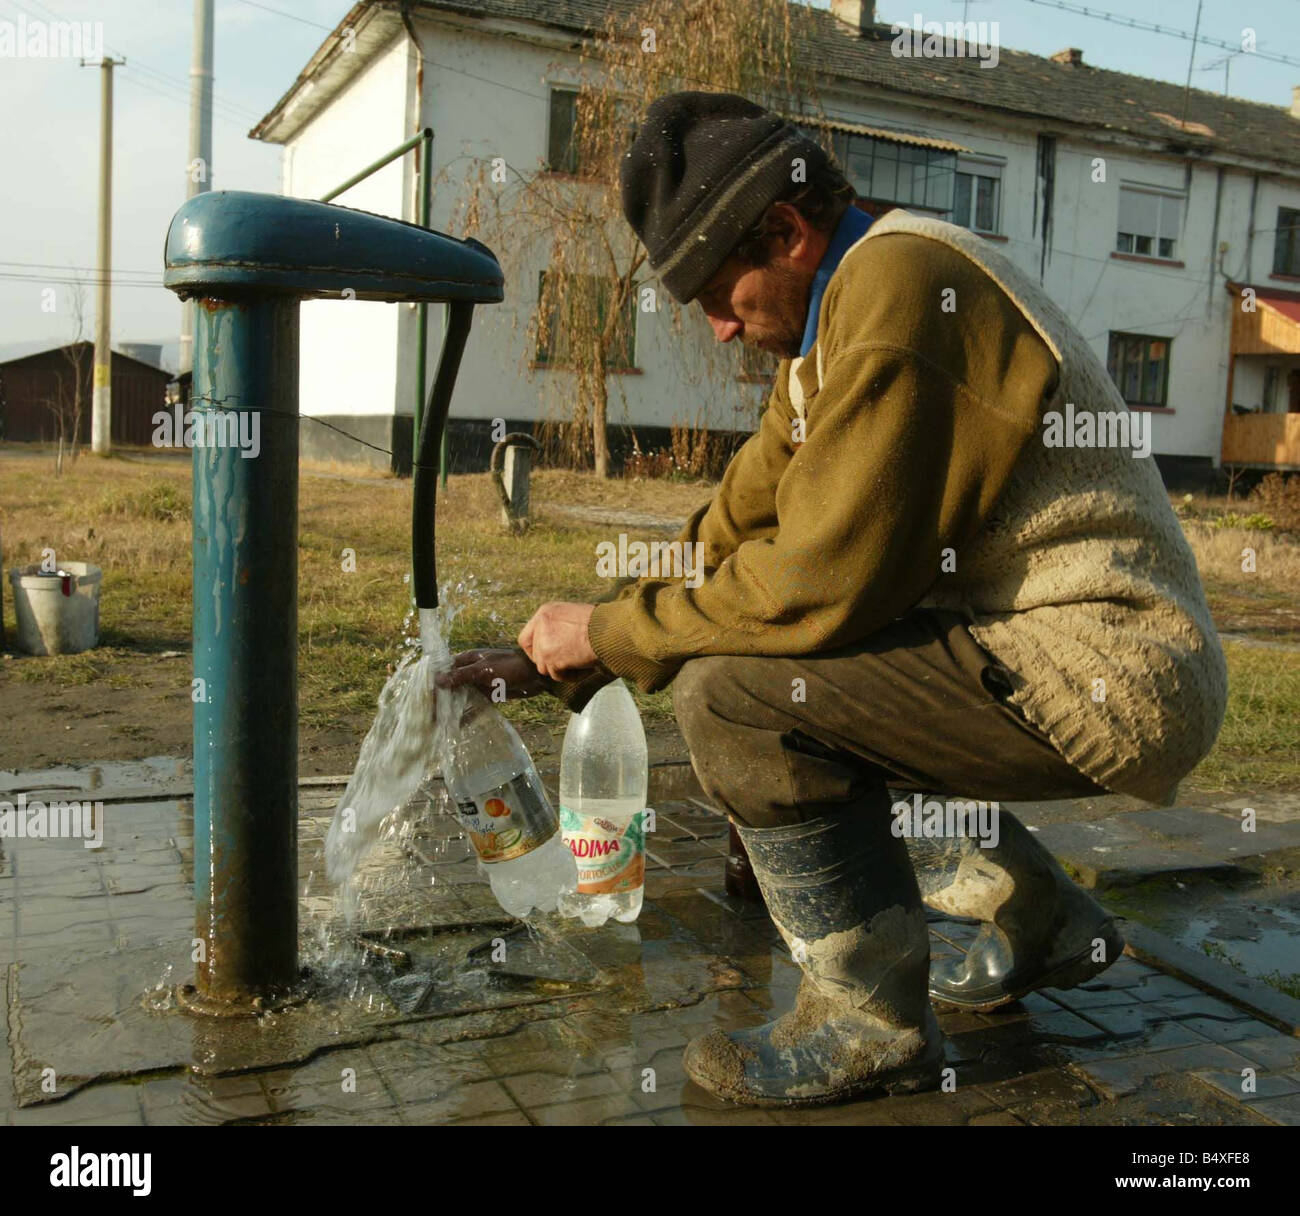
700,173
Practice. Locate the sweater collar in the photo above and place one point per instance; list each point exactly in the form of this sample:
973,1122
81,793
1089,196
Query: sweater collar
851,228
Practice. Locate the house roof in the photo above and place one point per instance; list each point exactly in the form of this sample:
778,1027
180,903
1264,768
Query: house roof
1070,95
117,356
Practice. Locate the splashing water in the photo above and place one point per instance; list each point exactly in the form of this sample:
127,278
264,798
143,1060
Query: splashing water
399,753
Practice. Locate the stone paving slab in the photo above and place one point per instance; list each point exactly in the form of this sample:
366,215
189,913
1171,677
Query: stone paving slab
1136,846
86,937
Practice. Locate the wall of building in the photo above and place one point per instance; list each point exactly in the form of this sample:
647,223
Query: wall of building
348,364
486,96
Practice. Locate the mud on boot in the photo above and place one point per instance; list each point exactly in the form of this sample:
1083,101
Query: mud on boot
1040,929
841,892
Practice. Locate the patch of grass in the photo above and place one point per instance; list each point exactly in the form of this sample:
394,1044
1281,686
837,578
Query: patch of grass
1290,984
158,499
1256,749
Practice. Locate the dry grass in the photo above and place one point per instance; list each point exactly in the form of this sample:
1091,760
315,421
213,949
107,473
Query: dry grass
129,517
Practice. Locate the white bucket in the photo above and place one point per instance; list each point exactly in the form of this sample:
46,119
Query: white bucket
57,613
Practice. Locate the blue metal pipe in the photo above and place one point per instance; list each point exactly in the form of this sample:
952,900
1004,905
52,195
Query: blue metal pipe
245,526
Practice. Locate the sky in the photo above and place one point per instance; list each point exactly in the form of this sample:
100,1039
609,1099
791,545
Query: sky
49,136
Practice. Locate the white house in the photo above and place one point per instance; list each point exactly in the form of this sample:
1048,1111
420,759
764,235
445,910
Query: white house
1173,244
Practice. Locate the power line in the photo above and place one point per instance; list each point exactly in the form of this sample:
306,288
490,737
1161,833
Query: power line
279,12
238,114
62,266
1153,28
87,282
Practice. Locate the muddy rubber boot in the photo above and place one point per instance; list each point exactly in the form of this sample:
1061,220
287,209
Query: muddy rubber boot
841,891
1040,929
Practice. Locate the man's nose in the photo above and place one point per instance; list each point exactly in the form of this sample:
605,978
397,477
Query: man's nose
724,331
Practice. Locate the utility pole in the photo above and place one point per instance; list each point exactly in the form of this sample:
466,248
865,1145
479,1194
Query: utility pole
101,393
199,173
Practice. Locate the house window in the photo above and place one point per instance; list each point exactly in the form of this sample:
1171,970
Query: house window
1286,248
561,148
902,174
579,307
1148,222
1139,365
977,195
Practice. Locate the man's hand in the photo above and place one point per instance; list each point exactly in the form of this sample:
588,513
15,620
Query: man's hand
556,640
482,667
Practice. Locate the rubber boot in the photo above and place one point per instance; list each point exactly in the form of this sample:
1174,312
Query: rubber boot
841,891
1040,930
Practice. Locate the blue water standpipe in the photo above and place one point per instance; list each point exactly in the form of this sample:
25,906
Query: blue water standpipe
249,259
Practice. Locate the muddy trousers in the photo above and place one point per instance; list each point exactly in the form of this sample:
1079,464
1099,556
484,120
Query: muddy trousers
919,706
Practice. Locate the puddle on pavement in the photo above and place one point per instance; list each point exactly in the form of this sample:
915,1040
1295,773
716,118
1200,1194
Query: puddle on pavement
1253,928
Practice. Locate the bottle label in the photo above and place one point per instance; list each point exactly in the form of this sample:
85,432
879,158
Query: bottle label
611,859
510,820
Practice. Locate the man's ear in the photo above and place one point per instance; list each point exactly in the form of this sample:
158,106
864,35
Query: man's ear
791,229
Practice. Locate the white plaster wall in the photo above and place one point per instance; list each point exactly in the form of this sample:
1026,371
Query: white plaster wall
348,349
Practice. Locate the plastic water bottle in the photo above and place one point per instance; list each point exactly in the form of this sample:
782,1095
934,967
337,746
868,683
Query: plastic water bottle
501,802
603,779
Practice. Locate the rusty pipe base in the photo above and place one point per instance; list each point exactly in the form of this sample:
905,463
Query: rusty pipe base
191,999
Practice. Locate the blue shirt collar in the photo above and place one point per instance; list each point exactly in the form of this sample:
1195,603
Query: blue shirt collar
853,224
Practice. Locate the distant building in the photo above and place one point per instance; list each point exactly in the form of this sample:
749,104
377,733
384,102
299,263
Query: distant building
35,389
1143,226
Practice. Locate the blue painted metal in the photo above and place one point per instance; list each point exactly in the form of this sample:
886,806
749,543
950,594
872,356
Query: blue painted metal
229,242
245,651
250,258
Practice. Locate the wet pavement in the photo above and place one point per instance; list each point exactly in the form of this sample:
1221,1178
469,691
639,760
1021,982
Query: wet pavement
464,1017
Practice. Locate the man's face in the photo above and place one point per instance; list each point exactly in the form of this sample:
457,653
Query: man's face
763,306
767,306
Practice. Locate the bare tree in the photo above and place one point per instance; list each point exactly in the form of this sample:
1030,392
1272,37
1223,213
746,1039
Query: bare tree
566,217
67,399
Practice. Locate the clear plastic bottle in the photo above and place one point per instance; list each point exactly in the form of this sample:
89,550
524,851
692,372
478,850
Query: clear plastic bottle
501,802
604,775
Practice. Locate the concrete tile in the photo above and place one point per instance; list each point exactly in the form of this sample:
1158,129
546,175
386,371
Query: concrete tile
1267,1085
1273,1050
545,1089
110,1104
472,1100
1198,1004
1285,1110
1227,1032
1091,998
1065,1025
1117,1078
584,1113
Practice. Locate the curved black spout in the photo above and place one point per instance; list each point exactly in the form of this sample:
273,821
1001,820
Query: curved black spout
424,573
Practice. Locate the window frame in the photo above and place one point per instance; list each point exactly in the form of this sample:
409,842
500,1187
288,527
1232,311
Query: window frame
1154,250
976,167
905,154
1119,341
543,360
1287,237
572,92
